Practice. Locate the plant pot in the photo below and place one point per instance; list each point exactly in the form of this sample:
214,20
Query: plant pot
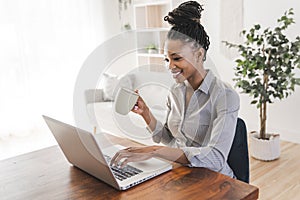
152,51
265,150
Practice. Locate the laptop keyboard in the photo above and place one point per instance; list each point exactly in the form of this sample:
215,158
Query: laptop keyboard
123,173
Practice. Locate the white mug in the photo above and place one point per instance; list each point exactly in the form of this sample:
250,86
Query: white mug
125,101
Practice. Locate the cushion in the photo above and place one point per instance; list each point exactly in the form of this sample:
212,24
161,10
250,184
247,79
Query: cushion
112,83
109,83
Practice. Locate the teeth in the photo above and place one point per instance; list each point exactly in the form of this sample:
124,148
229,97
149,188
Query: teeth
175,74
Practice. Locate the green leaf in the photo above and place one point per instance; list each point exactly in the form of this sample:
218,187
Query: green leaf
269,53
257,27
253,102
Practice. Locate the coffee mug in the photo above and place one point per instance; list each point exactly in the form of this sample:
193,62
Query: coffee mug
125,101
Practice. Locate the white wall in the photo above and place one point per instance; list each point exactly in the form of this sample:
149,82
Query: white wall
43,45
282,115
98,21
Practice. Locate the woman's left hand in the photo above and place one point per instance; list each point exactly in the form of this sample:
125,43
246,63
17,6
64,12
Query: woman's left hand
132,154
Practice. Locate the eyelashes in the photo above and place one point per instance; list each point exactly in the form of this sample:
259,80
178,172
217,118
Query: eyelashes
177,59
174,59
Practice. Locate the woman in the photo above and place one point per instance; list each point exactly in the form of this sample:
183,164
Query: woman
202,110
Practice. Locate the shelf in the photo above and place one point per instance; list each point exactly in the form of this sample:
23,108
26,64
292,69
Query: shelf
151,14
151,29
141,3
157,29
156,55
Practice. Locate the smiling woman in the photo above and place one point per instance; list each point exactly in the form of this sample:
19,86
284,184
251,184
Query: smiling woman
201,110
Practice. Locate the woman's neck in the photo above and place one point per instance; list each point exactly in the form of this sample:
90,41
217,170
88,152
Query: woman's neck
196,80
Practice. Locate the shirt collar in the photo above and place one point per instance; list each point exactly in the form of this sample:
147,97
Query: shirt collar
207,81
205,85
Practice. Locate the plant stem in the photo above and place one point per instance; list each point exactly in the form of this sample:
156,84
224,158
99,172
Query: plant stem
263,107
263,110
263,118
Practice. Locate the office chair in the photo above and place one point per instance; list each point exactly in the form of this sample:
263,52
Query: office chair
238,158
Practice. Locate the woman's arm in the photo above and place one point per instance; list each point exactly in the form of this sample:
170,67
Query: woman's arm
142,109
160,133
134,154
214,154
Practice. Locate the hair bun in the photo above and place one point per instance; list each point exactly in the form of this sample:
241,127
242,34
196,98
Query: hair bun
186,26
186,13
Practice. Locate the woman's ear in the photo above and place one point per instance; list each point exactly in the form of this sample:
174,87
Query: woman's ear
200,55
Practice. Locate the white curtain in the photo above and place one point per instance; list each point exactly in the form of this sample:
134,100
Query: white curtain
43,44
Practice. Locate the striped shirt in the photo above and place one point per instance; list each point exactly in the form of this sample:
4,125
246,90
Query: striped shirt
202,123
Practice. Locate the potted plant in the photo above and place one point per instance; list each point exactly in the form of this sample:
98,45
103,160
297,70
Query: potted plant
124,6
266,71
151,48
127,26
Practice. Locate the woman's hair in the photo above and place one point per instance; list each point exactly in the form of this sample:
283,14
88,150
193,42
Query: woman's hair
186,26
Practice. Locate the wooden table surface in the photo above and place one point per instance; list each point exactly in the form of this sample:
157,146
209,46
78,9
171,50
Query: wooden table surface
46,174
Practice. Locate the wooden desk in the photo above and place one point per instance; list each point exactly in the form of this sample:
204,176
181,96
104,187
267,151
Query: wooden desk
46,174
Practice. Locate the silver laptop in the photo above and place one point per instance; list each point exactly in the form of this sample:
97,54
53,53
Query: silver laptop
83,151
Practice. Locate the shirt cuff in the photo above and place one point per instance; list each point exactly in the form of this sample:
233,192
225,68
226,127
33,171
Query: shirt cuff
156,133
191,153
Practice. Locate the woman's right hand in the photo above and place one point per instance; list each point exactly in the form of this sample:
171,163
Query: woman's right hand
142,109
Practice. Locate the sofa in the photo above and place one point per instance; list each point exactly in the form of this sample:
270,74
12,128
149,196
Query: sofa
153,87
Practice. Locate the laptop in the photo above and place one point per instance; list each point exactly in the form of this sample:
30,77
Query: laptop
81,148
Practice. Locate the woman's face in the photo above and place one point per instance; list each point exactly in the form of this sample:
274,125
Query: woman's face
182,60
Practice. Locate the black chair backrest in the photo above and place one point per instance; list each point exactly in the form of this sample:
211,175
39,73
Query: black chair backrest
238,158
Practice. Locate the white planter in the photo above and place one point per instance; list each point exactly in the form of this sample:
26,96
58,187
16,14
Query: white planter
265,150
153,51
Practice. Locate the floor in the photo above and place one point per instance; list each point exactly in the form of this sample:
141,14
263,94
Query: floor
279,179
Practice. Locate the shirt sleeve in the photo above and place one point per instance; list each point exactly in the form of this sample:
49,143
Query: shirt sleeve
214,154
161,133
